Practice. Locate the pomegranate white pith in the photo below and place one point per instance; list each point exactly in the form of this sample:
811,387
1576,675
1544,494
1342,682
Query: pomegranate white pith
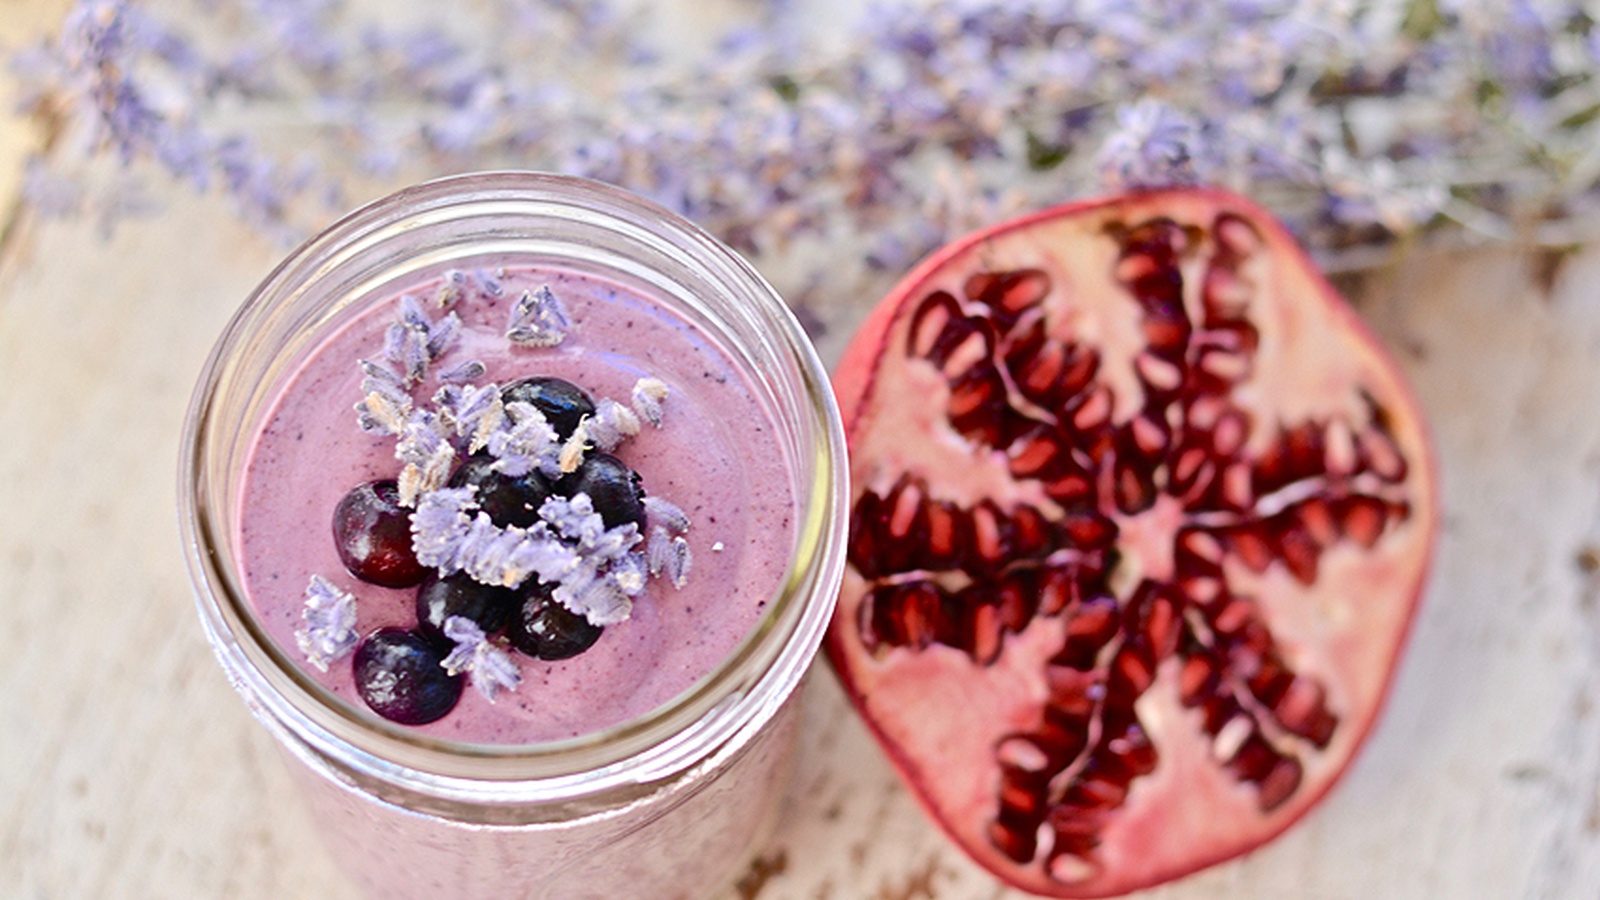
1141,517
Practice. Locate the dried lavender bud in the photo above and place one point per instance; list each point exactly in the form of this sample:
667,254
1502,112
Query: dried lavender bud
329,630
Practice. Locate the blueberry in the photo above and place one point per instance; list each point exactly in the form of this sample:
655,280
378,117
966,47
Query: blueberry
508,501
613,488
372,533
460,595
544,629
562,402
398,674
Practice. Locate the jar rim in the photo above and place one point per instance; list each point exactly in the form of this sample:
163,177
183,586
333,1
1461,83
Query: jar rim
641,749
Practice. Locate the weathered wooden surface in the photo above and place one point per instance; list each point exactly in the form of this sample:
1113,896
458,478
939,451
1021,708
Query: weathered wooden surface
128,767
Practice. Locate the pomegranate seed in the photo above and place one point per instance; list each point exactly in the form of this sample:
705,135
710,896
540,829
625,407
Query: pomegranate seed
1303,710
1073,490
1296,549
1094,412
1228,436
1019,751
1270,682
1237,237
1361,518
1251,545
1055,590
1197,679
1022,793
934,315
1340,455
1282,781
1132,672
1135,487
1008,294
1017,843
1317,520
1379,454
1224,295
1159,375
1088,530
1236,490
1236,614
1255,758
1062,734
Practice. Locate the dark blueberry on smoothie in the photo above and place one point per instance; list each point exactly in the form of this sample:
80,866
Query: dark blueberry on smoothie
545,629
563,403
372,532
398,674
508,500
615,490
488,606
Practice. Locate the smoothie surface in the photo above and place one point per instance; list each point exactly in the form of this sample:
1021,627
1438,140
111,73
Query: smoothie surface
716,456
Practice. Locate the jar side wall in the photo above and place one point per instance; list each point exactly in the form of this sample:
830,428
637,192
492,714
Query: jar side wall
683,841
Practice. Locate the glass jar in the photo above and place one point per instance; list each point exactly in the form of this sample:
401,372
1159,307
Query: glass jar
671,803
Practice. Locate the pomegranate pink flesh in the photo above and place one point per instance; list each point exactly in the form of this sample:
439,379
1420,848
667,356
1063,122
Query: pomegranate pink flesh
1141,517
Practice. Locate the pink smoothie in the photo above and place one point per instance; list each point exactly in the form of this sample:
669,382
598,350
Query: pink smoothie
715,456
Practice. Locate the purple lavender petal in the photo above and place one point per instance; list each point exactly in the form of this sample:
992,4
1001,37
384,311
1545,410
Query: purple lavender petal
328,632
666,513
491,667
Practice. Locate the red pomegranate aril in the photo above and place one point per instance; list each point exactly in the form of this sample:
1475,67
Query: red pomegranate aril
1133,670
1094,794
1133,751
1073,490
1376,452
1022,792
1302,710
1088,530
1278,784
1064,728
1134,487
1202,591
937,328
1160,625
1225,297
1037,454
1159,375
904,509
1296,549
1270,682
1198,550
1093,413
1175,462
1317,521
1008,294
1197,680
946,536
1014,840
1091,626
1251,545
1218,711
987,637
1361,518
1055,590
1236,615
1020,752
1037,366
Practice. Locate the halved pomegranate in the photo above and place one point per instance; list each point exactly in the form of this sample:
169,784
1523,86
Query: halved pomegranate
1141,516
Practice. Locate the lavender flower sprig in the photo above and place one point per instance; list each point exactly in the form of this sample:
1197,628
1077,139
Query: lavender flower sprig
1356,121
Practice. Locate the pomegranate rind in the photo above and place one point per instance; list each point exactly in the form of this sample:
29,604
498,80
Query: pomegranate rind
939,715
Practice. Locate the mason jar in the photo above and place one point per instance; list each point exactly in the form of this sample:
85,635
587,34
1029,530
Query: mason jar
669,803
